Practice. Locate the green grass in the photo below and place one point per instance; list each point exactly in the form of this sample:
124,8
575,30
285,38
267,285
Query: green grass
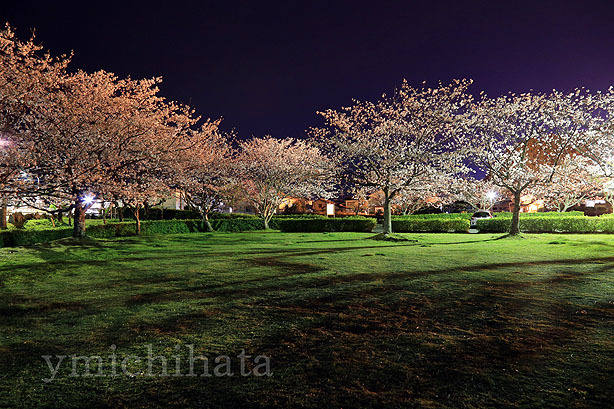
449,320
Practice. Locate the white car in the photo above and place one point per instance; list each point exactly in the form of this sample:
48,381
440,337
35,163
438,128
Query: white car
481,215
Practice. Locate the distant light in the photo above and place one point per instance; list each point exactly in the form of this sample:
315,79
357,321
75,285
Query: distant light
491,195
88,199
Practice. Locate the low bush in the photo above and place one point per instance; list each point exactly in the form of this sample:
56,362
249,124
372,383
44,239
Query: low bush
437,216
216,215
19,237
25,237
347,224
428,225
544,214
299,216
160,214
495,225
176,214
148,228
238,225
550,224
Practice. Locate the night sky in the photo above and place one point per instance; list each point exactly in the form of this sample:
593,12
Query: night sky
266,67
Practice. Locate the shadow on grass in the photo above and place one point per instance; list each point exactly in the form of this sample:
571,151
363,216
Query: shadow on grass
494,345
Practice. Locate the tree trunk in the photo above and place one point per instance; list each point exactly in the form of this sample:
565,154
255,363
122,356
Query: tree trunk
387,212
79,219
3,214
105,213
138,220
206,223
515,227
120,213
266,223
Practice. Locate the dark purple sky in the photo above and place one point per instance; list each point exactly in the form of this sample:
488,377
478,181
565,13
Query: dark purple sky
267,67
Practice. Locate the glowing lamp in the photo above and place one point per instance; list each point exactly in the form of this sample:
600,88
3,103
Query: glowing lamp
88,199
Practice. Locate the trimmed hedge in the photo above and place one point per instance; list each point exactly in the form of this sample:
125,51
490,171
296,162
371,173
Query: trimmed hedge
549,224
299,216
175,214
543,214
238,225
348,224
216,215
22,237
160,214
433,216
430,225
148,228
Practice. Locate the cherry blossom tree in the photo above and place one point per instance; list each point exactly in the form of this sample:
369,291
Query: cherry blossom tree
507,132
83,137
23,75
95,134
272,169
523,139
399,142
205,170
597,143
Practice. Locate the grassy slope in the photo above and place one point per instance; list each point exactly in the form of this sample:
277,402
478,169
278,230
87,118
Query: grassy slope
450,321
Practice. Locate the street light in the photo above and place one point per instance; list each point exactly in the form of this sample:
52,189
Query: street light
88,199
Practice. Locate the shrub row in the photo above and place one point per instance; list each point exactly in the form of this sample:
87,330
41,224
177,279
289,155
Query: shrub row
160,214
12,238
175,214
544,214
238,225
430,225
433,216
300,216
348,224
24,237
468,215
216,215
549,224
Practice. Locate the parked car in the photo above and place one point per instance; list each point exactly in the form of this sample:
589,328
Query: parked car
482,214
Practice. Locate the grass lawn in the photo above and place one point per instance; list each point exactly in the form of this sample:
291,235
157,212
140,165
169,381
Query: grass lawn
452,320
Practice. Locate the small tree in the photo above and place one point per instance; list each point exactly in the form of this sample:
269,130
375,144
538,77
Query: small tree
272,169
